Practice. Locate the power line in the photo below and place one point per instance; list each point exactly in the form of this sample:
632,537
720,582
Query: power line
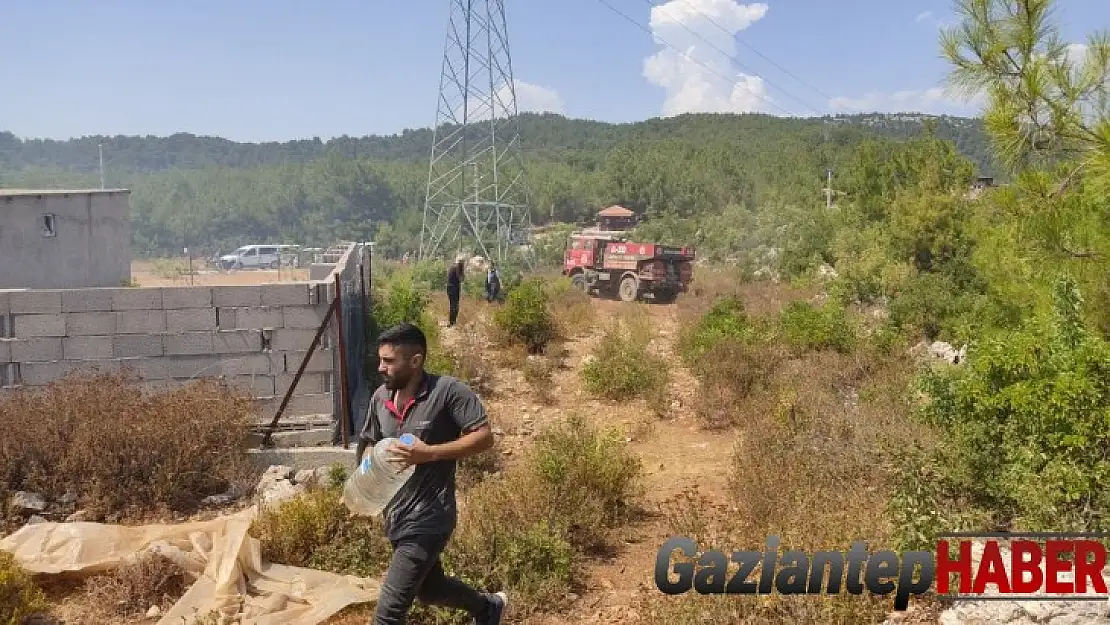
687,57
729,55
760,54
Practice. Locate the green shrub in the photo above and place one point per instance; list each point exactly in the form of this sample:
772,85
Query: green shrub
19,596
315,530
404,297
525,318
1024,425
805,328
725,320
506,541
430,275
622,367
401,299
924,306
526,529
587,470
887,338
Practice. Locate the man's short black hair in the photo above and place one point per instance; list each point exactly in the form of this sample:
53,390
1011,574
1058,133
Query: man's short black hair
405,335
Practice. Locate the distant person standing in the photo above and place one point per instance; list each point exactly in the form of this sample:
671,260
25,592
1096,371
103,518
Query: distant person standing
455,279
493,283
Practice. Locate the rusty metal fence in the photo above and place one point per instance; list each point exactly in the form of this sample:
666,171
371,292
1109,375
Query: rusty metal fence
353,313
343,329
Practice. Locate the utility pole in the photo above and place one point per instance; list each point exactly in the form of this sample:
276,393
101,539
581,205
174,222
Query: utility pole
828,188
100,147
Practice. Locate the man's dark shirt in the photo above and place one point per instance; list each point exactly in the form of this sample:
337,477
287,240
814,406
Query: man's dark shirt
453,280
443,409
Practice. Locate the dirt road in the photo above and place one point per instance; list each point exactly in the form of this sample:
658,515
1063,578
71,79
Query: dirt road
677,457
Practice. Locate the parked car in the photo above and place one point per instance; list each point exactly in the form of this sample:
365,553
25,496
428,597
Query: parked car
257,257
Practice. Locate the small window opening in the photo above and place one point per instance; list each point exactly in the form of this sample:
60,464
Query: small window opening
48,225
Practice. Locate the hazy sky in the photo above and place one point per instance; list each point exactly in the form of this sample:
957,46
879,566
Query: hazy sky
251,70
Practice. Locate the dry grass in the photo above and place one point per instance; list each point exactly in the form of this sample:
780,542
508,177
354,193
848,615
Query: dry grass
131,589
573,310
831,418
733,378
813,430
760,298
537,371
120,452
473,470
468,356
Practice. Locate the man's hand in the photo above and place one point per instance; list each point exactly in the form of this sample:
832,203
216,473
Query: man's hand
417,453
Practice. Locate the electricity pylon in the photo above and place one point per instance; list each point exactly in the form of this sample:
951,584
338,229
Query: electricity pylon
476,187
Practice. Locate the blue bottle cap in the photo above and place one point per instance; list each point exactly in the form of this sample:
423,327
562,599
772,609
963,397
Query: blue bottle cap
408,439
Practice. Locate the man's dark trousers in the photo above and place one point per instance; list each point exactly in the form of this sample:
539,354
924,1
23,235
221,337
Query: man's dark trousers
415,572
453,293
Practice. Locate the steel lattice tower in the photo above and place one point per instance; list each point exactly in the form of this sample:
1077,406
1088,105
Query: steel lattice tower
476,187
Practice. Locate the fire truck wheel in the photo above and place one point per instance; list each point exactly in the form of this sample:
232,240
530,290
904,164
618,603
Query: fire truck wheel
629,289
579,282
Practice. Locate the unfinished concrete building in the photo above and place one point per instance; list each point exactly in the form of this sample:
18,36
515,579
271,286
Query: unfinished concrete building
64,239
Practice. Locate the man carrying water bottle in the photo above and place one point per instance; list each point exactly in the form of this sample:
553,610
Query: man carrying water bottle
449,423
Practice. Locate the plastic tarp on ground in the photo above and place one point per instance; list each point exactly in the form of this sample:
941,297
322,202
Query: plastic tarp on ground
231,578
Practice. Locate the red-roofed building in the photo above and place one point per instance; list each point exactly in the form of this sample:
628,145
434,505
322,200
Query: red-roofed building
616,218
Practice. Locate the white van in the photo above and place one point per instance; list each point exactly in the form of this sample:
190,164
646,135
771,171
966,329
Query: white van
257,257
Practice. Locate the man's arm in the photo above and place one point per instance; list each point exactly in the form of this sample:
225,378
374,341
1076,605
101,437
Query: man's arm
368,435
470,415
470,443
467,411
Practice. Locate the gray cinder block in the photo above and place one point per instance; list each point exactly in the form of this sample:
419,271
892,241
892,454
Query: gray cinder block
90,323
138,298
236,296
88,348
35,302
185,297
30,326
191,320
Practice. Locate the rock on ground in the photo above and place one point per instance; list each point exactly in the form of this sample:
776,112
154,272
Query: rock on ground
276,485
27,502
941,351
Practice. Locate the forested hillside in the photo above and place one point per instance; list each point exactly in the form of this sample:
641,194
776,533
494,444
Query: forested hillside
211,193
543,135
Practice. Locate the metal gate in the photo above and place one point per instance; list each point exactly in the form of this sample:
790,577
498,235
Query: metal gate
345,325
354,310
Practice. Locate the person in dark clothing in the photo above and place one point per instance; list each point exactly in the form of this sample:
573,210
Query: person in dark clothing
449,423
455,278
493,283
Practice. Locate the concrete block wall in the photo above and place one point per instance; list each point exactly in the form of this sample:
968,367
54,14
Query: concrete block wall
254,336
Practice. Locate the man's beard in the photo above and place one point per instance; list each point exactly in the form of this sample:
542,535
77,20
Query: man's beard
397,382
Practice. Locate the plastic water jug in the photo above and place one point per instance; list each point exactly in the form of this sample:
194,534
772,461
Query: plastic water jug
376,481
